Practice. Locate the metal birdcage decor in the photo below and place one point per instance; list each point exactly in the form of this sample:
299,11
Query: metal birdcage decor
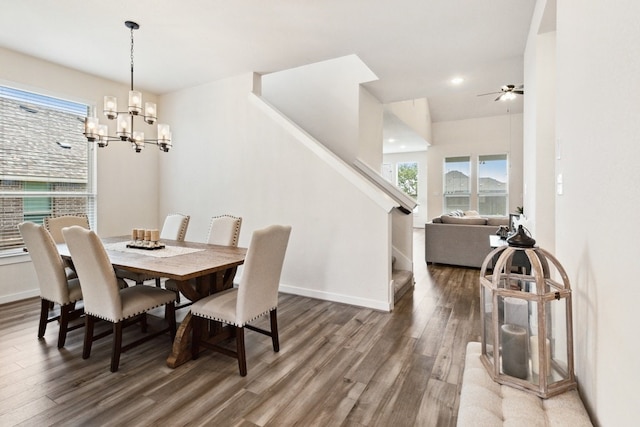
527,339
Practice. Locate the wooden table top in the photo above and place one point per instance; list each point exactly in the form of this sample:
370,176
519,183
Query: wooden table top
211,259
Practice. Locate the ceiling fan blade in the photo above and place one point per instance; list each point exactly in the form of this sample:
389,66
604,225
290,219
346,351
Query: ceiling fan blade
489,93
498,98
519,92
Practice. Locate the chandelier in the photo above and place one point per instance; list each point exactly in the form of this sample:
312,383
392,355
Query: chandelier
96,132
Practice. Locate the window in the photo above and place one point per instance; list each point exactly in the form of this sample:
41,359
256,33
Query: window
46,165
408,178
457,189
493,189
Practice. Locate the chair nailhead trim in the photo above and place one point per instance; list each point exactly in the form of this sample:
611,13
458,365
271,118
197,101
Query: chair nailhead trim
229,322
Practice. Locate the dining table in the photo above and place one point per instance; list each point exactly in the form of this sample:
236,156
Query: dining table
211,267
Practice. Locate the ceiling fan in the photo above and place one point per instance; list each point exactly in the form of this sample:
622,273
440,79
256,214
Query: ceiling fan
507,92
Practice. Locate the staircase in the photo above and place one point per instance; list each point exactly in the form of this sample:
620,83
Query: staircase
402,281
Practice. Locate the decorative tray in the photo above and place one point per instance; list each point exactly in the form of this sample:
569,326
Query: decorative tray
146,247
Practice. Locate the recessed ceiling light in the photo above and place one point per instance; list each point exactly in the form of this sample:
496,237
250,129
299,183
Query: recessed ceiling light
457,80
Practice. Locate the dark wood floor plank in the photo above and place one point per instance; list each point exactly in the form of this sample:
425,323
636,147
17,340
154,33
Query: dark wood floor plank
338,365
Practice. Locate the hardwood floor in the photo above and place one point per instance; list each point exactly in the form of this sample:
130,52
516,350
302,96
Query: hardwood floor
338,365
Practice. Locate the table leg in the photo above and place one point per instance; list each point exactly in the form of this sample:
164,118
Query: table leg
216,282
181,350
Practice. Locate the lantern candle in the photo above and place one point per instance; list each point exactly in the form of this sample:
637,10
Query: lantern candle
514,350
516,312
535,354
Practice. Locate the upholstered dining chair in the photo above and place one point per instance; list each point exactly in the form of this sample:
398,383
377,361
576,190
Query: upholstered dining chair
174,228
224,230
55,224
103,298
54,285
256,295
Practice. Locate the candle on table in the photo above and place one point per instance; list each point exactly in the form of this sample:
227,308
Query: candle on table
147,235
514,350
134,234
155,235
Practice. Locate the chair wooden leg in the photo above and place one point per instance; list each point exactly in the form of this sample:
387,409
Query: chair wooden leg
44,315
274,330
65,311
158,283
88,336
196,335
170,315
143,323
117,346
242,356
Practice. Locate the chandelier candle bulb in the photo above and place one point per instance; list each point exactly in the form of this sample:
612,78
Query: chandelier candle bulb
135,102
164,134
138,140
150,112
91,128
103,133
123,128
110,107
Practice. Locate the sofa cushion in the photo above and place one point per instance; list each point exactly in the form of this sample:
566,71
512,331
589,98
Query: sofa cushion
447,219
498,221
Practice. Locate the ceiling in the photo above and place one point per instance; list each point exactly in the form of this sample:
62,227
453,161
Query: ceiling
414,46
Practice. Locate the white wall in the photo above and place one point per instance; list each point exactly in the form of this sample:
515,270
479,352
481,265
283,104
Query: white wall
324,99
539,131
370,125
244,159
127,190
474,137
598,127
416,114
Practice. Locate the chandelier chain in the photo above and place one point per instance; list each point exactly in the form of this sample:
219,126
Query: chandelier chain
131,58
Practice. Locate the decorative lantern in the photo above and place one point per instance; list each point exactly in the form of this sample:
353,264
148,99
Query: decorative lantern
527,339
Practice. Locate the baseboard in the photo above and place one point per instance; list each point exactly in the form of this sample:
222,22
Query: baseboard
333,297
4,299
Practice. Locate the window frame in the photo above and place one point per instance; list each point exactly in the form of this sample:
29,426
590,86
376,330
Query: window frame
503,194
447,193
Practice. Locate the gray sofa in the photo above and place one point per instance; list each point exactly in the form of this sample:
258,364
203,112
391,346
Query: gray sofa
462,241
